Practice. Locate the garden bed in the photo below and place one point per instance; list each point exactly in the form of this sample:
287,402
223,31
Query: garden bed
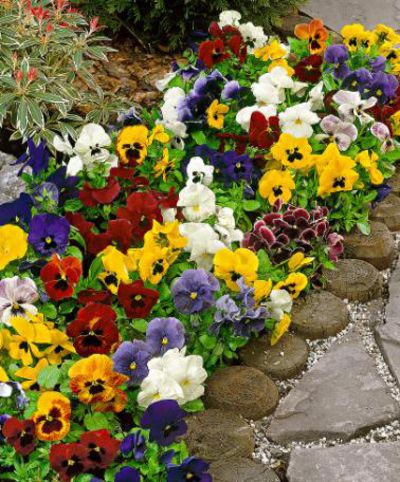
198,282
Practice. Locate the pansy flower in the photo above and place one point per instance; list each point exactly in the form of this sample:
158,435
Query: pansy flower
20,434
272,51
212,52
95,296
164,166
117,266
95,382
295,283
292,151
13,244
18,211
309,69
132,144
134,444
69,460
52,416
233,265
165,421
48,234
280,328
136,299
369,162
17,296
60,347
276,184
91,196
165,235
60,276
102,448
164,334
30,375
337,56
66,185
263,131
154,263
36,157
127,474
338,131
131,359
216,114
192,468
315,33
94,329
355,37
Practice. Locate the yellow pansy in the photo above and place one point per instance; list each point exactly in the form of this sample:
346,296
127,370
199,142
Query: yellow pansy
52,416
233,265
337,176
281,63
262,290
3,375
280,328
275,50
164,165
276,184
30,374
154,264
158,134
385,33
331,155
60,346
395,122
292,151
370,163
355,37
216,114
295,283
132,143
24,344
117,266
13,244
165,235
298,260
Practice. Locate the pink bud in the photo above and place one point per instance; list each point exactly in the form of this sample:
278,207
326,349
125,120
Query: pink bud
32,74
18,75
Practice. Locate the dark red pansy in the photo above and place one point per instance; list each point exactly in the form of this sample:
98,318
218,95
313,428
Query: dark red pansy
79,222
102,448
69,460
94,296
94,330
309,69
91,196
212,52
141,209
60,276
137,300
95,242
121,232
20,434
263,132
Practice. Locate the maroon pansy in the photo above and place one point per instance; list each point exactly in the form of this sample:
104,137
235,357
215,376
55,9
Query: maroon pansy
263,132
20,434
137,300
309,69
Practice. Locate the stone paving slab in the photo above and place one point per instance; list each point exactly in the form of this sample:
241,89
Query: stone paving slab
342,396
10,184
366,462
336,13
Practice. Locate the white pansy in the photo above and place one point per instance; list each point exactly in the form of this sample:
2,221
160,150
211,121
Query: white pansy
17,296
351,106
198,172
316,97
162,84
62,144
203,243
253,35
299,88
270,88
173,376
90,149
197,201
168,215
243,117
298,120
229,17
5,390
169,112
226,227
279,304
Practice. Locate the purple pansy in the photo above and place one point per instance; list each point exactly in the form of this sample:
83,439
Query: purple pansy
337,55
66,185
229,166
358,80
226,314
127,474
37,157
165,420
383,86
194,291
378,64
163,334
46,194
134,444
48,234
336,130
18,211
131,359
231,90
192,468
252,321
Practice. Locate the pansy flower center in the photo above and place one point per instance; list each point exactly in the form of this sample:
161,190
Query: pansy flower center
339,182
164,341
277,190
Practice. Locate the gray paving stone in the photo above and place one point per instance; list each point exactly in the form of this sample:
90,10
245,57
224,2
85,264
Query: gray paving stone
241,470
366,462
342,396
10,184
388,334
343,12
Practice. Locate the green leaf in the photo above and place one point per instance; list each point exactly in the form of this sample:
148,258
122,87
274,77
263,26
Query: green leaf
51,98
194,406
199,137
35,112
48,376
365,228
250,205
95,269
22,116
49,311
95,421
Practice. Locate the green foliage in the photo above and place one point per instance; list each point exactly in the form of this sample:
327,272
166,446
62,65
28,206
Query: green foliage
172,21
42,55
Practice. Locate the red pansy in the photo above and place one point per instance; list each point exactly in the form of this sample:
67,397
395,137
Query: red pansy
91,295
69,460
141,209
137,300
60,276
263,132
20,434
95,243
212,52
91,196
120,231
101,446
232,39
94,329
309,69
